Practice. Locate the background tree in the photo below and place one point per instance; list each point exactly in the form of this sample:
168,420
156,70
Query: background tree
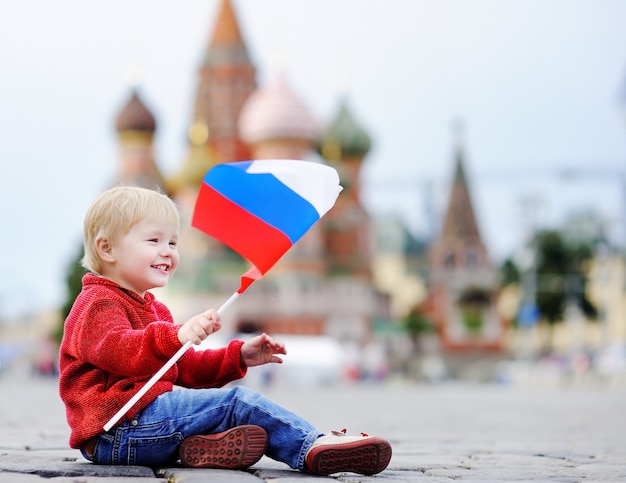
73,283
561,276
509,273
416,323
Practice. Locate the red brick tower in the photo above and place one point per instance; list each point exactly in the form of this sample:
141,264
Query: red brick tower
226,78
347,239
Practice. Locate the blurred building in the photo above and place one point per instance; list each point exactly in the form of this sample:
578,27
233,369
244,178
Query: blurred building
348,277
462,284
135,126
323,285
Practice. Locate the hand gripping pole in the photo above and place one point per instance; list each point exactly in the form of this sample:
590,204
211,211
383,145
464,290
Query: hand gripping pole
161,372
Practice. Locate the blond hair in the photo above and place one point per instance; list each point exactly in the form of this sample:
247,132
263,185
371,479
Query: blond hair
114,212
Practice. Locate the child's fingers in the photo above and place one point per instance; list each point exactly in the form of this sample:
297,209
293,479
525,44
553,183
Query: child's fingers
276,346
193,336
200,326
212,319
204,327
212,314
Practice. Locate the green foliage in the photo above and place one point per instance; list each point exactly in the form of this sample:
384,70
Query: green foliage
509,273
472,304
561,276
417,323
472,317
73,287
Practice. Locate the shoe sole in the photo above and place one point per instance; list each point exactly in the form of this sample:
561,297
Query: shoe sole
366,458
234,449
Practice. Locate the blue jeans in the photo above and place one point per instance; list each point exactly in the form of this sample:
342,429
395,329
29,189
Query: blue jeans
153,437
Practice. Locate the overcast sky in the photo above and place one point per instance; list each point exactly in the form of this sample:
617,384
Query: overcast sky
537,84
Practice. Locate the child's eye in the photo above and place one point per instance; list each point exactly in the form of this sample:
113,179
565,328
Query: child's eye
173,244
153,240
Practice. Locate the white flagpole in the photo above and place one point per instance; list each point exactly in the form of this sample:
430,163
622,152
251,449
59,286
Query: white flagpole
161,372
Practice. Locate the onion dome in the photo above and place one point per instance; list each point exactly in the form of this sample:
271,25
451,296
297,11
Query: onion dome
344,137
276,112
135,116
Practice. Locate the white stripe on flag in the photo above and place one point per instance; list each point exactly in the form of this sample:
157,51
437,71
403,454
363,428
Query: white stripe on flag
317,183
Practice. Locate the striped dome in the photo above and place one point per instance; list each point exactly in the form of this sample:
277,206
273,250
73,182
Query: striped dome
346,134
276,112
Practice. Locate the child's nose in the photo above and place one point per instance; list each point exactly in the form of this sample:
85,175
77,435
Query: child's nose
166,250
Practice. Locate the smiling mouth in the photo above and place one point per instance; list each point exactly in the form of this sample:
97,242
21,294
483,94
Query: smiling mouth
164,268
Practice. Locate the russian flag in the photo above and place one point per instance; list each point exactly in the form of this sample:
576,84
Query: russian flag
260,209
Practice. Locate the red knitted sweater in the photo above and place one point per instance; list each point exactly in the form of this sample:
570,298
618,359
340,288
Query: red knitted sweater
114,341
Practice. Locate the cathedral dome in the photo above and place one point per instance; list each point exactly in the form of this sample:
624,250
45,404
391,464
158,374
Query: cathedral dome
345,135
135,116
276,112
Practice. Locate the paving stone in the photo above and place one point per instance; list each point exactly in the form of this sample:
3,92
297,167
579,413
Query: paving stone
514,460
446,433
288,475
53,466
26,478
73,470
200,475
594,471
392,476
408,462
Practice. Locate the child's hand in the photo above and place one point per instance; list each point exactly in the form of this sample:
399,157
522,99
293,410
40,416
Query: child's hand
261,350
199,327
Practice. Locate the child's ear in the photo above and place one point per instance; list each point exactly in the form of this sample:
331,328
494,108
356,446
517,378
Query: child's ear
104,249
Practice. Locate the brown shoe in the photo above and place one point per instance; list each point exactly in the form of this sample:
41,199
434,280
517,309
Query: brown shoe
338,452
235,449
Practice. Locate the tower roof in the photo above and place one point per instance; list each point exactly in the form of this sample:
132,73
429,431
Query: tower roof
346,134
460,221
135,116
226,45
276,112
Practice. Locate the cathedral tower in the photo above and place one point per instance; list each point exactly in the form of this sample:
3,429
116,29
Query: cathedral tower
462,281
135,126
344,145
226,78
460,246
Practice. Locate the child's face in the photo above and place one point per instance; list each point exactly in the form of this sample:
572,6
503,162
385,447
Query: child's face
145,257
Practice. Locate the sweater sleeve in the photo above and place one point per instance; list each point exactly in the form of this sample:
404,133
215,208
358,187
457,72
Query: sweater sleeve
211,367
109,341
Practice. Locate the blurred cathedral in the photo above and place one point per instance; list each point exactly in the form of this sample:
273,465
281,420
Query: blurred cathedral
463,285
334,281
323,285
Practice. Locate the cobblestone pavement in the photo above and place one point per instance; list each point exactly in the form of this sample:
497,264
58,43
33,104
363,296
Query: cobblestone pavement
440,433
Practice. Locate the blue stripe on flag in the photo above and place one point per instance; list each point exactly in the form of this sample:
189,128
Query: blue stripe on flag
264,196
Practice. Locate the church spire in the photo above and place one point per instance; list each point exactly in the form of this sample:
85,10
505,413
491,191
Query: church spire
460,220
226,78
463,284
226,44
459,244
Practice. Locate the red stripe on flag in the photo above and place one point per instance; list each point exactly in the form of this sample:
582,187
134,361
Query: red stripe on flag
249,236
249,278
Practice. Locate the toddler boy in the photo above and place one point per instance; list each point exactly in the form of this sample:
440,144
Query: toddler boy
117,336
